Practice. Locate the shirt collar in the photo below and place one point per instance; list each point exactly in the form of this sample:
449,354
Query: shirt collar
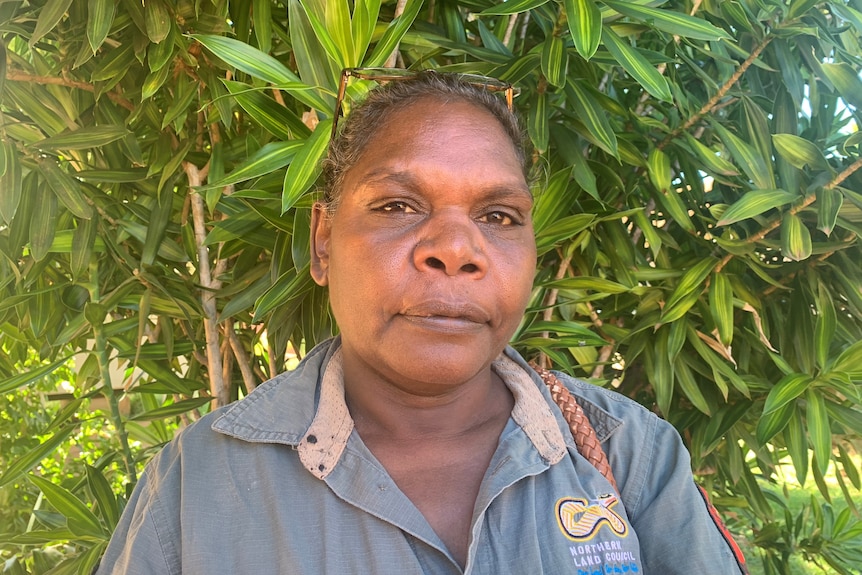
294,410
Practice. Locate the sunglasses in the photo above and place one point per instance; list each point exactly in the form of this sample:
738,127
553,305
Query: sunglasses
396,74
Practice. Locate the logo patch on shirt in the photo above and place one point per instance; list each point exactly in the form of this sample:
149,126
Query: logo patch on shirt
581,519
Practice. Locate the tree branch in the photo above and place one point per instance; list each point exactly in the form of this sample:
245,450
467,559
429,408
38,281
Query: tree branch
19,76
806,201
242,359
722,92
218,389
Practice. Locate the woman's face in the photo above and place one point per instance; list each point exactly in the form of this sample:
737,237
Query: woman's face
430,256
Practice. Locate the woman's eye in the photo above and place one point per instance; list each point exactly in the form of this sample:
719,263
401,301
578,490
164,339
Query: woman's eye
402,207
499,218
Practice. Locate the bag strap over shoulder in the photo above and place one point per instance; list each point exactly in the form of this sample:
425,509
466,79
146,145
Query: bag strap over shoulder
586,440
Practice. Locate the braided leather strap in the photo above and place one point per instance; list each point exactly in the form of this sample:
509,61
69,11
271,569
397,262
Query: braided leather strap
582,430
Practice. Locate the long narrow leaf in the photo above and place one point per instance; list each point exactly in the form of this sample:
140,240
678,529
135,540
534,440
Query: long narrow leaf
671,22
789,388
755,203
80,519
49,17
259,65
34,456
305,167
394,33
100,16
585,25
637,66
513,7
818,429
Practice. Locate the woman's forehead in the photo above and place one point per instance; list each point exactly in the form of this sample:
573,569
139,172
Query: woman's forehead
435,126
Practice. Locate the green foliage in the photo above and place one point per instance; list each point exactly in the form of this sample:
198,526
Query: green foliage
697,213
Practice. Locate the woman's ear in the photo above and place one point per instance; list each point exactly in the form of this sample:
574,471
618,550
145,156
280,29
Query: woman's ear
321,232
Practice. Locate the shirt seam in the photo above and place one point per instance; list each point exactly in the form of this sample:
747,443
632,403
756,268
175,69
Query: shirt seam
641,470
157,510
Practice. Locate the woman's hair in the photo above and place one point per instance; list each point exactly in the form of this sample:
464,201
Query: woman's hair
360,127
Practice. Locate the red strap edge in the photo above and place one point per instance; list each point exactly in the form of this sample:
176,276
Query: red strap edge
716,518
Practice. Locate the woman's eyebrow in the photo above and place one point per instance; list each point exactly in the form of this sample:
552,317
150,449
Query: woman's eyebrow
408,179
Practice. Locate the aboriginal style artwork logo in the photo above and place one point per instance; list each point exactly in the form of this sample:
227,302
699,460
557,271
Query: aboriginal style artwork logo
580,519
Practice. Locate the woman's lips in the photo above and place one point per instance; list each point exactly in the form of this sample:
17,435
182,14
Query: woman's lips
450,317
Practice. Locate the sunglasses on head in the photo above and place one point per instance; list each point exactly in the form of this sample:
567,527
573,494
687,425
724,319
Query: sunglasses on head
396,74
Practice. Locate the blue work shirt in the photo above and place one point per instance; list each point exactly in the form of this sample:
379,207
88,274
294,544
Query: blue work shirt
280,482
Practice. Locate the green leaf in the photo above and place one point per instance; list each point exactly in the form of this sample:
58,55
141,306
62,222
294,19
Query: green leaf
799,151
290,286
712,163
846,81
83,242
100,16
537,124
797,446
261,13
29,377
850,361
172,410
659,170
394,33
269,158
115,65
829,202
512,7
160,216
158,55
773,422
671,22
66,188
272,116
365,14
83,138
754,203
747,157
553,63
335,52
585,25
690,283
721,307
593,116
113,176
49,16
637,66
154,81
786,390
849,467
305,167
35,455
690,387
661,374
80,519
818,429
158,19
43,225
262,66
562,229
599,285
585,336
795,238
824,330
10,183
106,502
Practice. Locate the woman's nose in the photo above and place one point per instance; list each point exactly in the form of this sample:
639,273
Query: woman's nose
452,244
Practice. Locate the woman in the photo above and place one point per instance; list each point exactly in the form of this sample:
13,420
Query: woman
417,441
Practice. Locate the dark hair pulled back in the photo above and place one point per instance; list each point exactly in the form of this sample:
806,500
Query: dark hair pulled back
360,127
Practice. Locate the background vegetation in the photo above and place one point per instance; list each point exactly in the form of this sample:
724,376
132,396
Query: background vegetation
698,216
